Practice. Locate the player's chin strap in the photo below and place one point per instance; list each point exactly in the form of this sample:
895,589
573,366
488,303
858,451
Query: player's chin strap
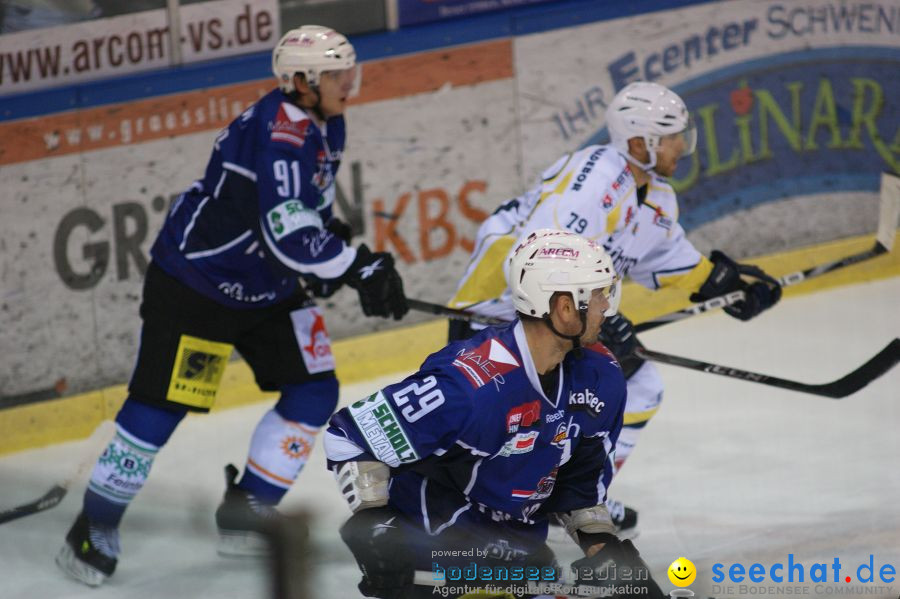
575,339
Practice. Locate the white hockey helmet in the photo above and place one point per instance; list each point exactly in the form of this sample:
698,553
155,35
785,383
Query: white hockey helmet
312,50
650,111
551,261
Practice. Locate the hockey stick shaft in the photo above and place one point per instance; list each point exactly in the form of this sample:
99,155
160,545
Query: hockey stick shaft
57,492
846,385
452,313
888,212
850,383
790,279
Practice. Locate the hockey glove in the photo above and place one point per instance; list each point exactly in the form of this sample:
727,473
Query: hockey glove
381,551
340,229
321,287
617,568
725,277
617,334
379,285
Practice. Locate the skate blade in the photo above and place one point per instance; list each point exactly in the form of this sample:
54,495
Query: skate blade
77,569
234,543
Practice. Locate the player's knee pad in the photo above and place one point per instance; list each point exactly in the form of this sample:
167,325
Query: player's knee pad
311,402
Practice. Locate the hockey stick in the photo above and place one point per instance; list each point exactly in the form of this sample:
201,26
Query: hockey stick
452,313
888,210
790,279
848,384
844,386
57,492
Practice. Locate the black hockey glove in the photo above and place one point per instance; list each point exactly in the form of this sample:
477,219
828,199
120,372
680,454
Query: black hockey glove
617,334
381,551
618,565
378,283
725,277
321,287
339,229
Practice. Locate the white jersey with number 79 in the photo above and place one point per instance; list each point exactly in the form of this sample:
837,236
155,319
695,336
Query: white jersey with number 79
591,192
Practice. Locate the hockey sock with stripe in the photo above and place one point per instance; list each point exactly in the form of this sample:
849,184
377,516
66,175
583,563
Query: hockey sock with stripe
278,451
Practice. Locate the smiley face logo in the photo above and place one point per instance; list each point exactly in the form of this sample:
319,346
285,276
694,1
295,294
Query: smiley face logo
682,572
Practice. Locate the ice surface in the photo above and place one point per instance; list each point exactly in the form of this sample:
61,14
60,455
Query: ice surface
726,472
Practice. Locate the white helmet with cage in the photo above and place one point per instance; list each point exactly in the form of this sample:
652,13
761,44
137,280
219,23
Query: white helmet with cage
551,261
652,112
311,50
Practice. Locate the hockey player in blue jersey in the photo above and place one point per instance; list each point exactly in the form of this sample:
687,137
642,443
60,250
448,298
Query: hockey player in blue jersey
471,455
224,274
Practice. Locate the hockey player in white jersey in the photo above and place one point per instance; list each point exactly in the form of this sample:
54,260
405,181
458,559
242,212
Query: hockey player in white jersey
618,196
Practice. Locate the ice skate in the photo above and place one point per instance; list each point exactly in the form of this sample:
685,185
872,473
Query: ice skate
243,520
90,552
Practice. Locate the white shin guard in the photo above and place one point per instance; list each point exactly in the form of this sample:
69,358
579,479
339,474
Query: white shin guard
279,449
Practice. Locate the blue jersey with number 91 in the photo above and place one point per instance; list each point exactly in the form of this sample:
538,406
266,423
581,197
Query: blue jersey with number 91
242,233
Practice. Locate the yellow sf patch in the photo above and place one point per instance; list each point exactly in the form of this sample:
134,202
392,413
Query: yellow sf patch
199,365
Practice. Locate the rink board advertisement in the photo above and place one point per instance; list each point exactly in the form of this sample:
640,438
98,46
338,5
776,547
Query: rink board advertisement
794,106
54,56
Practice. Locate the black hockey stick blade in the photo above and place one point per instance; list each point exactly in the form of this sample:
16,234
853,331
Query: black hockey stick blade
50,499
849,384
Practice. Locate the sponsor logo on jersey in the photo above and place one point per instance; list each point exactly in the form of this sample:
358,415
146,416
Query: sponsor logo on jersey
661,220
236,292
290,216
607,201
521,443
487,362
382,430
324,176
562,433
554,416
523,415
288,131
587,168
586,401
545,486
313,340
621,263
